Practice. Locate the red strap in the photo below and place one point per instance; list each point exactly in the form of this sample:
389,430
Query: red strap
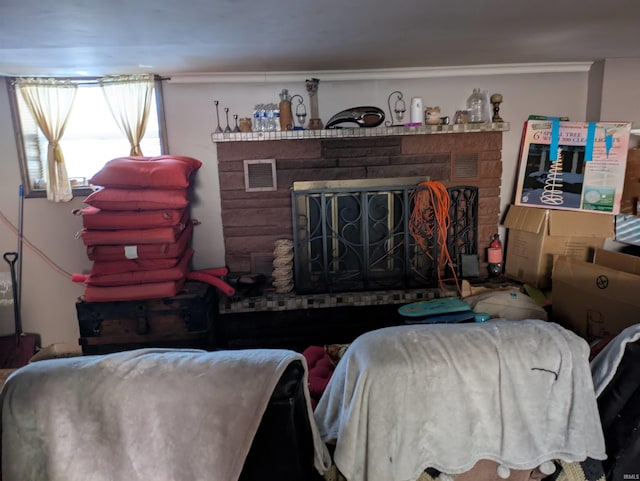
216,271
204,276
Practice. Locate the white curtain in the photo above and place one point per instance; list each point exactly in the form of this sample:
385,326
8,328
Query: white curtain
129,99
50,102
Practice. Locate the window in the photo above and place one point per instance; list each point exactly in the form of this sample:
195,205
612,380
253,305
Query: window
91,137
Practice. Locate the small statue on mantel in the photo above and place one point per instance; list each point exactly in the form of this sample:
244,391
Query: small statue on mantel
315,123
496,100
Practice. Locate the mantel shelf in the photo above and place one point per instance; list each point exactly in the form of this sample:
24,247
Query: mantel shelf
359,132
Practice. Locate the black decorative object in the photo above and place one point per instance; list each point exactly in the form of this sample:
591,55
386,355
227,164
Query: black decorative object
361,116
496,100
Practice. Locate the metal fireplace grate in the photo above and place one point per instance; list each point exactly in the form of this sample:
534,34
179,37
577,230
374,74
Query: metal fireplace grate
354,235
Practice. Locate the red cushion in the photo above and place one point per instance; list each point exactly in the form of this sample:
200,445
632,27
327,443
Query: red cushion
103,268
138,199
152,290
163,172
156,235
106,253
320,369
97,219
178,272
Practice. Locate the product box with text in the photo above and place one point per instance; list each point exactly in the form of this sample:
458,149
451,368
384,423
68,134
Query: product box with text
576,166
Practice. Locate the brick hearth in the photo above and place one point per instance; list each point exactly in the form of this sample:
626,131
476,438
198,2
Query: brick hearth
252,221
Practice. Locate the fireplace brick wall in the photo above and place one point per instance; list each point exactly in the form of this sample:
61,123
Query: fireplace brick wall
252,221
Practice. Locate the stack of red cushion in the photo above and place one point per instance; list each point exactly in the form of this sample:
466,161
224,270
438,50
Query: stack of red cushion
137,228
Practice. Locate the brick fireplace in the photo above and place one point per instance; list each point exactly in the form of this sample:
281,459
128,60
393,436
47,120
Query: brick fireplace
253,221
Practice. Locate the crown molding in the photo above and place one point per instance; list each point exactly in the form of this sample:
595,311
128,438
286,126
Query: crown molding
381,74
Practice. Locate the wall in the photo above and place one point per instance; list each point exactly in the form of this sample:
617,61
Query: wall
618,74
48,300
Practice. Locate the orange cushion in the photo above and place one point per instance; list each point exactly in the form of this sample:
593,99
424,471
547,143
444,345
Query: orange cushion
163,172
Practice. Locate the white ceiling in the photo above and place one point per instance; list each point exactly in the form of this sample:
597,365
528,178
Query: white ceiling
97,37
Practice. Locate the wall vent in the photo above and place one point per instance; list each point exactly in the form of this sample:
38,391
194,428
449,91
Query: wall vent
465,166
260,175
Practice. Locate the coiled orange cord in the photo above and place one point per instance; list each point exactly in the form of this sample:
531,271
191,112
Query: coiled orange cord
431,208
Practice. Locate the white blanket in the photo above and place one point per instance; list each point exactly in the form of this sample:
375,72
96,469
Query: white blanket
147,415
445,396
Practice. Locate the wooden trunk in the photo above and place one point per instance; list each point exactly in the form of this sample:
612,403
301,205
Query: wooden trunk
185,320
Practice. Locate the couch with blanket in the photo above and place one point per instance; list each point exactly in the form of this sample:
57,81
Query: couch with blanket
474,402
490,401
161,414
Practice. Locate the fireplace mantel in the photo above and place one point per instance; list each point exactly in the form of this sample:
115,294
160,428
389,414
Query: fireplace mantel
359,132
457,155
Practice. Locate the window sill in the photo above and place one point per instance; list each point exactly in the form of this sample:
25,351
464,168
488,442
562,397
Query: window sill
42,194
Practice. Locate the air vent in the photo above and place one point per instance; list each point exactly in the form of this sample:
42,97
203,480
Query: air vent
465,166
260,175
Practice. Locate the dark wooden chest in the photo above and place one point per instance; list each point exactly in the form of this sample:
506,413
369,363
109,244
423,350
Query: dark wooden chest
185,320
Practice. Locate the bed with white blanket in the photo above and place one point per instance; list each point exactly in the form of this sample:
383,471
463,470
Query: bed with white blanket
407,398
150,414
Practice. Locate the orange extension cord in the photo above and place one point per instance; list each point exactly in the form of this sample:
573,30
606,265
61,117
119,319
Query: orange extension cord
431,208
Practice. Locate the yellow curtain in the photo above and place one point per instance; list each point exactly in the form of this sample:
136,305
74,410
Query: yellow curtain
50,102
129,99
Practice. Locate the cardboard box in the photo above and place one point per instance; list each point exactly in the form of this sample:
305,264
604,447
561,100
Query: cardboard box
535,236
631,189
599,298
628,221
577,166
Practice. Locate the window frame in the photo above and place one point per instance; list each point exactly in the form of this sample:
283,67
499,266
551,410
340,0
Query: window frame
19,136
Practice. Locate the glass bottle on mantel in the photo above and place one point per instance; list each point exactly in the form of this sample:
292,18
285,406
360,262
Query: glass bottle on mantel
286,115
476,105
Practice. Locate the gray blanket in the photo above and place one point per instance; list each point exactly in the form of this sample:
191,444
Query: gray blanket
147,415
445,396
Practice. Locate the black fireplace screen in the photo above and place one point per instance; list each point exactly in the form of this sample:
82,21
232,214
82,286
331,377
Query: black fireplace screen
352,237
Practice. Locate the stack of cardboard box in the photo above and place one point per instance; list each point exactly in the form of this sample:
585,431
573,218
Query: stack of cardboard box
573,185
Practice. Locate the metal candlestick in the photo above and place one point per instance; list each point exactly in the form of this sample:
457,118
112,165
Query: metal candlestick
218,128
235,118
226,112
